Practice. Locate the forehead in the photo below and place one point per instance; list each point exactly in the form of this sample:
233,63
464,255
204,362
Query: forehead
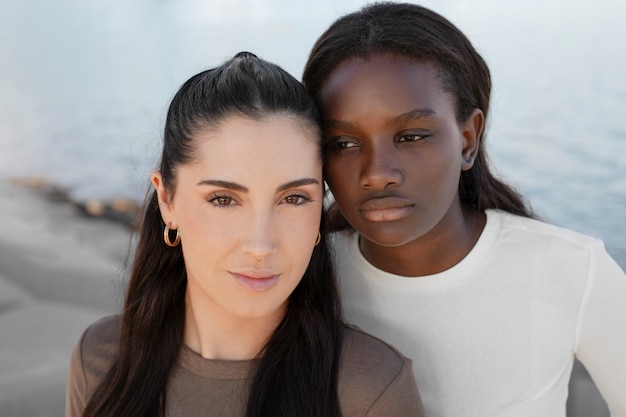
382,77
241,145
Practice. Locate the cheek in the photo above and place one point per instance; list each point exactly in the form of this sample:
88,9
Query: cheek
202,241
204,231
442,178
302,223
341,177
302,220
445,159
297,234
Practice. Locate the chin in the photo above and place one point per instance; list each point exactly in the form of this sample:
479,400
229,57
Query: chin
389,237
252,312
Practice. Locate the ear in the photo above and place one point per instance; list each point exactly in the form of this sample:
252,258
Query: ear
165,204
472,131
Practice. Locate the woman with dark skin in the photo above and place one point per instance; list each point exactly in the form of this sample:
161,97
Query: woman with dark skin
232,308
433,252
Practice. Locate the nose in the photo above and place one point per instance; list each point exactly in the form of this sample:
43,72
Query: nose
380,169
258,242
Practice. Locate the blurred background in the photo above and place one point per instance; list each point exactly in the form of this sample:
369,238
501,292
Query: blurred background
84,86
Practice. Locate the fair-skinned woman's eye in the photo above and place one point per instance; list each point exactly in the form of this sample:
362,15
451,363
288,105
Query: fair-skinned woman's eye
297,199
219,200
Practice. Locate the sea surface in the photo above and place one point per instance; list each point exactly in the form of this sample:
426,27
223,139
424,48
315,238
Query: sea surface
84,85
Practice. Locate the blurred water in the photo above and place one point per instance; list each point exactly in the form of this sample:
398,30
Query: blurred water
84,85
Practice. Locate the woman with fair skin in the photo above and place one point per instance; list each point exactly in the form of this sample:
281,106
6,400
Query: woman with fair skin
434,253
232,308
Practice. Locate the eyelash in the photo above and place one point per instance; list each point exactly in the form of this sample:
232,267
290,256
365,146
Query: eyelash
214,198
416,137
307,199
344,144
339,144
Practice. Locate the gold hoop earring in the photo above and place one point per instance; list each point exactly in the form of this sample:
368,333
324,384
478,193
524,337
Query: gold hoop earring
166,237
319,238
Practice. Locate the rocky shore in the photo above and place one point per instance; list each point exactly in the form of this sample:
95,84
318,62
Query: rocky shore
62,266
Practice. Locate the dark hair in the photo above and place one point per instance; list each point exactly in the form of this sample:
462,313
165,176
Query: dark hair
297,373
418,33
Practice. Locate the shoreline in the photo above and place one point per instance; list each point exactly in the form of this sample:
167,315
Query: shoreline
51,241
121,210
61,268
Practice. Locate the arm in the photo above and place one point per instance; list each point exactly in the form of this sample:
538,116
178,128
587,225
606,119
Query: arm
401,398
601,335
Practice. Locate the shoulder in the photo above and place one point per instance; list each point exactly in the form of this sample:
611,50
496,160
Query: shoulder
102,335
538,231
98,348
91,359
374,375
362,351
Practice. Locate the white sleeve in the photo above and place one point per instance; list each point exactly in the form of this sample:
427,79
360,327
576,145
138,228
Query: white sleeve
601,333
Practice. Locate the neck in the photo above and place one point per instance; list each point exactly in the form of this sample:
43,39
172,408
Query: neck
440,249
214,334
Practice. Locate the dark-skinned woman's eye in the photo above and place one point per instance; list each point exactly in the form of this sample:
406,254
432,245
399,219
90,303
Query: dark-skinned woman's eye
341,144
411,137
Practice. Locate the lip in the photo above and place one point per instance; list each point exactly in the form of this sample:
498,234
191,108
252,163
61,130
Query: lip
255,279
385,209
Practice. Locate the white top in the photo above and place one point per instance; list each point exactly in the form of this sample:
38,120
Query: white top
496,334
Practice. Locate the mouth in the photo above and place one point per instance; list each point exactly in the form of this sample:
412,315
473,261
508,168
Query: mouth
255,280
385,209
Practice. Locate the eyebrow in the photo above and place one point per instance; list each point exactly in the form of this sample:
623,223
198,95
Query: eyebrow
224,184
238,187
403,118
297,183
338,124
412,115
